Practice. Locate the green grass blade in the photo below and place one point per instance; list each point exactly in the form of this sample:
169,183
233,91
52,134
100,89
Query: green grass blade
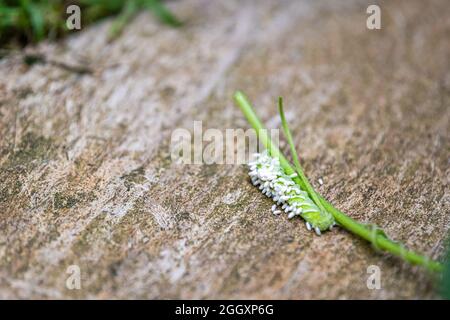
130,9
36,19
295,159
162,12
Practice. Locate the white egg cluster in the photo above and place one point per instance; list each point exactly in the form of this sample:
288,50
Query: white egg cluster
267,173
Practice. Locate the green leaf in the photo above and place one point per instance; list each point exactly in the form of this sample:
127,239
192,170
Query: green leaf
162,12
36,17
8,16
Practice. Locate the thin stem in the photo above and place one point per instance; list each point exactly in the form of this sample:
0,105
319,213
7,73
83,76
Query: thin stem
127,13
294,154
378,239
161,11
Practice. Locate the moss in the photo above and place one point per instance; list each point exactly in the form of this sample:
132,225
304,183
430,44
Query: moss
32,148
62,201
136,176
67,201
9,189
89,234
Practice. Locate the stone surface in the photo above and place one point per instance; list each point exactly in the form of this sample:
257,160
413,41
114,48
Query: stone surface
87,179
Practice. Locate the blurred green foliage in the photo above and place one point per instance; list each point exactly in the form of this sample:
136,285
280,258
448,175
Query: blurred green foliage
445,284
23,21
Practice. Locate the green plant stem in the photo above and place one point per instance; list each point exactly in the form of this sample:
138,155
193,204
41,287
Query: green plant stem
297,165
378,239
161,11
123,19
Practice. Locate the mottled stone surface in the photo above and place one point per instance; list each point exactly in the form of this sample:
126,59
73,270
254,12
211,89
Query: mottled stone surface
87,179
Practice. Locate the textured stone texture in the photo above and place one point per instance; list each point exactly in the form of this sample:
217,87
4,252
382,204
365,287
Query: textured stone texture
86,176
